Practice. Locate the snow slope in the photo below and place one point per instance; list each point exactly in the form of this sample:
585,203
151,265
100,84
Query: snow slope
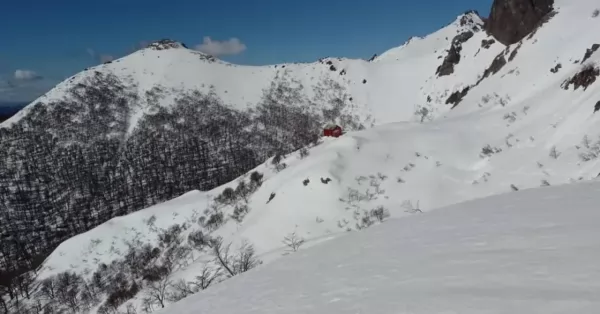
535,131
529,252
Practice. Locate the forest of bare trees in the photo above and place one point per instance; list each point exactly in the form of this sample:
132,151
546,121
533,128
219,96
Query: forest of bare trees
72,164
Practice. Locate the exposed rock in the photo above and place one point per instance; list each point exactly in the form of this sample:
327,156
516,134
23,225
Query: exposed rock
164,44
513,54
364,81
373,57
590,52
512,20
544,20
498,63
586,77
453,57
556,68
467,20
597,107
487,43
457,96
332,68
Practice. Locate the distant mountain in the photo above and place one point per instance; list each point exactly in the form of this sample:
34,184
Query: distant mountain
144,162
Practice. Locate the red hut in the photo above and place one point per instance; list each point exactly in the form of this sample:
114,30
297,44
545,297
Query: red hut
332,130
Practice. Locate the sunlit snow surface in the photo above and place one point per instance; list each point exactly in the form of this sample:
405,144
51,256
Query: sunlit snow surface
528,252
531,251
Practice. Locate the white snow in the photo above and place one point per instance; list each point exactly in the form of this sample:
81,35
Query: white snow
534,251
525,252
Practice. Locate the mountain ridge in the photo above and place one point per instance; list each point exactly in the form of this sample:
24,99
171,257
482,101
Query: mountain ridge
120,139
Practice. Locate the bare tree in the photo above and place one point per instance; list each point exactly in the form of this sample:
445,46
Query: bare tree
244,260
158,292
47,290
181,289
68,286
423,113
293,241
222,255
204,280
24,284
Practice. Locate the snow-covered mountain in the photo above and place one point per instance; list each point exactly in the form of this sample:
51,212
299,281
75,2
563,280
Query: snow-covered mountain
450,117
533,251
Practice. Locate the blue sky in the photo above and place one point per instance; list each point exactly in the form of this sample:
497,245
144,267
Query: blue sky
43,42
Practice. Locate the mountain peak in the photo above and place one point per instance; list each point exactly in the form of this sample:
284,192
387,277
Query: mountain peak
512,20
166,43
470,19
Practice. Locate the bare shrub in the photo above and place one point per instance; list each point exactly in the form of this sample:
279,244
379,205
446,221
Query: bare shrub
488,150
303,152
240,211
293,241
410,208
554,153
244,260
380,213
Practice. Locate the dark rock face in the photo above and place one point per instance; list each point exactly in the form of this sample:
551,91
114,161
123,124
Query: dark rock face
453,57
486,44
586,77
457,97
498,63
512,20
597,107
166,44
590,52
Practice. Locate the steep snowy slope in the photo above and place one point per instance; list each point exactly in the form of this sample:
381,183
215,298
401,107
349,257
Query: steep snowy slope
198,122
534,251
519,120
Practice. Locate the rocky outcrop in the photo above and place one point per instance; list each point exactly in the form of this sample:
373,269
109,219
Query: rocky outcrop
498,63
586,77
487,43
166,44
457,97
512,20
453,57
590,52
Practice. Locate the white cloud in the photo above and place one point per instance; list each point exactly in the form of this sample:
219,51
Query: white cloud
233,46
26,75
